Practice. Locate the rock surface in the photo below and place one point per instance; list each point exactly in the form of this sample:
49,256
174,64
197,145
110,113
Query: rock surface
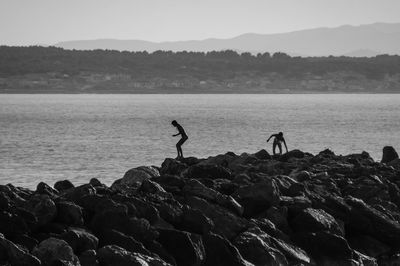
248,209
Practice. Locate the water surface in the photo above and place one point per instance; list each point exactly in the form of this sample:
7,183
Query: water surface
77,137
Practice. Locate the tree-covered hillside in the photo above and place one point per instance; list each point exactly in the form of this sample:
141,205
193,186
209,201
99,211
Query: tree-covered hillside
50,69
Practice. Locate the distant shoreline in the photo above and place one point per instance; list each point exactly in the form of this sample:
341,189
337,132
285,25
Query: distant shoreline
190,93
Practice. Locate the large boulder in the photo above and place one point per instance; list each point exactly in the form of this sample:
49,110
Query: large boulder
43,188
365,220
139,228
195,221
63,185
262,155
134,177
325,248
149,186
186,248
219,251
12,224
77,193
45,210
114,237
315,220
53,250
16,255
292,154
294,254
258,197
389,154
195,188
172,167
226,223
69,213
207,171
89,258
255,250
116,256
80,240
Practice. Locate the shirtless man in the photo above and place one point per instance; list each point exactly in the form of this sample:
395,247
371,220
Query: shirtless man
184,137
278,139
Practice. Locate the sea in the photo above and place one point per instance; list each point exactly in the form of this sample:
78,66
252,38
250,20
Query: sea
78,137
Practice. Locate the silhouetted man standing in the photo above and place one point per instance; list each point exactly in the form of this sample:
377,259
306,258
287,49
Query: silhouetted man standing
184,137
278,139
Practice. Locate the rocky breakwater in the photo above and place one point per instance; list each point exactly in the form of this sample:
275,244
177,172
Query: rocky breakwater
248,209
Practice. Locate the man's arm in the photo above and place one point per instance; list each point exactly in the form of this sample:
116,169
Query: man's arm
270,137
176,134
284,142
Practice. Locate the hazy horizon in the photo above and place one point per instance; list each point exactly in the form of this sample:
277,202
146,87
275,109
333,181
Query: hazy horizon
24,22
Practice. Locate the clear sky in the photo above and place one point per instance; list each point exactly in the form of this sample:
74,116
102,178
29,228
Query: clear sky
26,22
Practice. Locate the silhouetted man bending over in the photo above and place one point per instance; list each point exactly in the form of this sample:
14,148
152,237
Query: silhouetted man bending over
184,137
278,139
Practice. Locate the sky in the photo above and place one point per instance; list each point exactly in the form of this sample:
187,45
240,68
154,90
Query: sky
31,22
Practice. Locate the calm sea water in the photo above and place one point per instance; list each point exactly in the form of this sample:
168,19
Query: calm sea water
77,137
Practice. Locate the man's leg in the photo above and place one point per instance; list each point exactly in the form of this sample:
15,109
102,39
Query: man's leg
280,148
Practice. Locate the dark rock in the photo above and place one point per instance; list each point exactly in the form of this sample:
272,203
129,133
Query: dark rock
269,227
16,255
363,259
52,250
94,203
80,240
89,258
95,182
190,160
69,213
325,247
43,188
145,210
63,185
365,220
116,256
45,211
208,171
134,177
77,193
258,197
5,202
170,181
139,228
278,216
195,221
25,241
113,237
291,154
186,248
395,163
195,188
262,155
315,220
149,186
303,176
369,246
293,254
172,167
11,224
255,250
219,251
389,154
225,222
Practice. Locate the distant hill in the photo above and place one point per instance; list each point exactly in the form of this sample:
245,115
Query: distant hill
365,40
